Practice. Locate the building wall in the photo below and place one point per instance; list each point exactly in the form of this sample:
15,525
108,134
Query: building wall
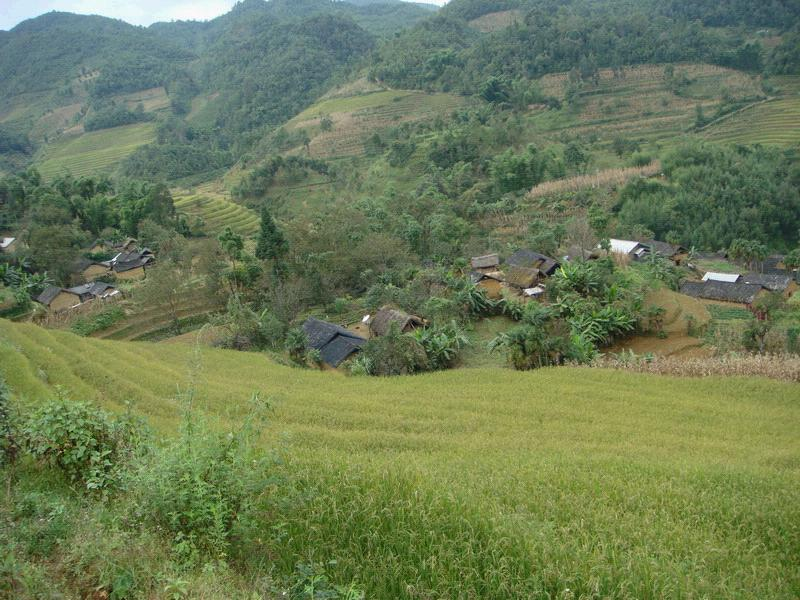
92,272
131,275
492,286
64,301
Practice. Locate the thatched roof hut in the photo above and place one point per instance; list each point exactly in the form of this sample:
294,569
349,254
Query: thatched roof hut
522,277
383,319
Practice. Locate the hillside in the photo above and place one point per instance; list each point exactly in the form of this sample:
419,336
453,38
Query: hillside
522,485
82,67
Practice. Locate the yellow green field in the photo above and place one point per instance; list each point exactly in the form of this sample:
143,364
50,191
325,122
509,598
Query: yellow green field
216,208
496,21
562,483
357,117
93,152
775,123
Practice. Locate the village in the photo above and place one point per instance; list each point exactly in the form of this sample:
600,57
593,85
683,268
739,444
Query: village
521,277
524,274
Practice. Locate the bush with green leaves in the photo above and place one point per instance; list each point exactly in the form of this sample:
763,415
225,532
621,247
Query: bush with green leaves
296,343
542,340
89,445
311,582
246,329
395,353
205,487
9,446
592,305
442,344
99,321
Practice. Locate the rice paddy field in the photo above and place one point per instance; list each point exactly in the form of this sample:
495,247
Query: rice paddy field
214,205
774,123
486,483
93,152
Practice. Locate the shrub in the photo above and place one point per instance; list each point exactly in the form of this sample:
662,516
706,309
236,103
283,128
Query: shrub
442,344
85,442
203,488
102,320
311,582
296,342
8,434
395,354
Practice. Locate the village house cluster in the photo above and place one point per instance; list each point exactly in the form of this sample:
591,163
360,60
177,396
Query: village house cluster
129,263
728,287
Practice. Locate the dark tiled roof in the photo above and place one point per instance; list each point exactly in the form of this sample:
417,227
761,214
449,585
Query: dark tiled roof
340,349
663,248
91,290
772,265
334,343
121,267
533,260
775,282
48,295
740,293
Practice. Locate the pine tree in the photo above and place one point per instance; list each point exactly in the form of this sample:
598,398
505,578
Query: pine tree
272,245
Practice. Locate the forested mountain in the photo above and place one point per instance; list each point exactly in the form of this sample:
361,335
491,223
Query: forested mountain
550,36
262,62
227,83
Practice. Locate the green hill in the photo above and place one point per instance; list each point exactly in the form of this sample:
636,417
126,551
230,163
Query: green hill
558,483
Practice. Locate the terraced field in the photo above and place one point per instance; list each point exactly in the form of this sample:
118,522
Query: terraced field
355,118
152,100
639,105
215,207
774,123
154,320
496,21
94,152
559,483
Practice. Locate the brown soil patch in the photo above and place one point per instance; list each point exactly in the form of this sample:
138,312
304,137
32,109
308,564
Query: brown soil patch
678,343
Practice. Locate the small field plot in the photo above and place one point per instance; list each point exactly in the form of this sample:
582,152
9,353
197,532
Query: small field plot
496,21
682,313
216,208
355,118
152,100
639,105
775,123
93,152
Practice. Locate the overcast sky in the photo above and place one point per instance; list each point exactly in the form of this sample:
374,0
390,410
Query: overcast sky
138,12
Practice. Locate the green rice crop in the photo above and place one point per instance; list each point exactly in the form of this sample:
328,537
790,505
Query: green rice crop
95,151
